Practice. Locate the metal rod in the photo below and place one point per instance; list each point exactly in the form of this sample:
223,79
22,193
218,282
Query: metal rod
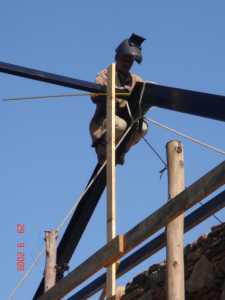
57,96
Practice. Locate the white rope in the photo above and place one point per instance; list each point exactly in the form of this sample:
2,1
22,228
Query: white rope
27,273
58,229
87,188
89,185
142,92
139,103
187,137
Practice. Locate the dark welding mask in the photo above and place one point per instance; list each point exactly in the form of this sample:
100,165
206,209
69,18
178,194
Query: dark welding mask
131,48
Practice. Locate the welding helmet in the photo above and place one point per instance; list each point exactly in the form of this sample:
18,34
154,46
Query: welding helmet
131,48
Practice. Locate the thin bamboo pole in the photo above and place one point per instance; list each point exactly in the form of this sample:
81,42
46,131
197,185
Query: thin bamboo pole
50,264
175,229
110,173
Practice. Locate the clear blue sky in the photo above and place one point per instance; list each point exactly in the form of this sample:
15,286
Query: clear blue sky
46,158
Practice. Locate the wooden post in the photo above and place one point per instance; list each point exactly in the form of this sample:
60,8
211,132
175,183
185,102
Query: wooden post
110,174
103,294
175,229
50,264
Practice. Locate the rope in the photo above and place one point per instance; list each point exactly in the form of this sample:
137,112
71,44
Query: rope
166,168
27,273
187,137
72,95
161,172
87,188
141,117
153,150
141,96
140,99
57,231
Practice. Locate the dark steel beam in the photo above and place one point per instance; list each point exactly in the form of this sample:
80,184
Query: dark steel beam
52,78
158,243
189,102
180,100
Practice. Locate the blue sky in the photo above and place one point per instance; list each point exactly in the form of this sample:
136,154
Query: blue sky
46,158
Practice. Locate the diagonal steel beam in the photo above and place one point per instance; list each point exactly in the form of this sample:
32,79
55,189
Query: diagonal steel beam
81,216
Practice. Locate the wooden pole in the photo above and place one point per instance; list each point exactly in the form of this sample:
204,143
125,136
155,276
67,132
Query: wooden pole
175,229
110,175
103,294
50,264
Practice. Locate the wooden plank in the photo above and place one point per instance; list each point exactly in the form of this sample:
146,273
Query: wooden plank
158,243
174,208
168,212
110,175
108,253
175,229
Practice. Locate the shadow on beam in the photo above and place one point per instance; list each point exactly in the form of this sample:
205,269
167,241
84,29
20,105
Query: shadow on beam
192,220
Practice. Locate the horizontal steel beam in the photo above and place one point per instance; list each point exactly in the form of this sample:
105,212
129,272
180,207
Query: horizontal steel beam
158,243
179,100
53,78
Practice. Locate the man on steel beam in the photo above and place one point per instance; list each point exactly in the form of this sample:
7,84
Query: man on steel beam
128,51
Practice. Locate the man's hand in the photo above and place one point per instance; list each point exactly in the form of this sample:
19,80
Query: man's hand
129,88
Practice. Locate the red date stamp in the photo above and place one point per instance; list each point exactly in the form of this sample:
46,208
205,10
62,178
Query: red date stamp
20,255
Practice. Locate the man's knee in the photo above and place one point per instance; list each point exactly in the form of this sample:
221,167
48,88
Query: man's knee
144,129
137,135
120,126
